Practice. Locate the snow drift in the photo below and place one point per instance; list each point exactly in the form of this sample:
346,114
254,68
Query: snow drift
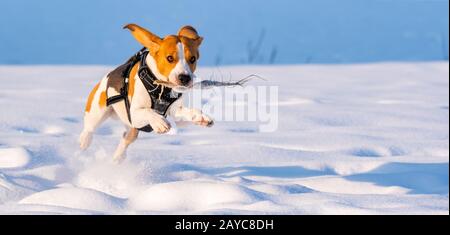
353,139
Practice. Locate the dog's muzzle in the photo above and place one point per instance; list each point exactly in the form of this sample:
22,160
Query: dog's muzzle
184,79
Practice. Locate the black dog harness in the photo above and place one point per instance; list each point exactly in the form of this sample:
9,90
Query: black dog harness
162,97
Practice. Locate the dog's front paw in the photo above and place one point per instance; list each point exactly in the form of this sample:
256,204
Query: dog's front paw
204,120
160,125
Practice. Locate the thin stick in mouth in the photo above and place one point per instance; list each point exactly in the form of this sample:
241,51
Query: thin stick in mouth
166,84
209,83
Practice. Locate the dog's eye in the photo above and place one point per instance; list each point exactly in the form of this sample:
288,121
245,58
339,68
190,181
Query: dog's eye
193,59
170,59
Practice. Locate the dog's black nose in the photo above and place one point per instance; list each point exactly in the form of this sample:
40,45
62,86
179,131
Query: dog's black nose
184,79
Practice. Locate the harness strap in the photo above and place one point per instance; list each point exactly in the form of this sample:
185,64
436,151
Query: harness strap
114,99
146,74
162,98
124,90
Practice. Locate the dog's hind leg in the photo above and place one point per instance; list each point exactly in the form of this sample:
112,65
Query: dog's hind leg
96,112
128,138
91,122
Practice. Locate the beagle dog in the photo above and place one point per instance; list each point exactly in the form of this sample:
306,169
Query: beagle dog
147,89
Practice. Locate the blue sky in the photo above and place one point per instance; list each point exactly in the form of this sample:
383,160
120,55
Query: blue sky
236,32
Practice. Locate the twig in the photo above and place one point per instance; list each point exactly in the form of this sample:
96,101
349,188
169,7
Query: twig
206,84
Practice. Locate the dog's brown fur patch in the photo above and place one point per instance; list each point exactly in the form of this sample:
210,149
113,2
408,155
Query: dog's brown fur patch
102,100
190,49
145,37
167,48
132,80
91,98
161,49
115,79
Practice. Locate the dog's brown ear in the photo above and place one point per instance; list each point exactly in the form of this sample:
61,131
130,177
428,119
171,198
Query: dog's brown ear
145,37
191,33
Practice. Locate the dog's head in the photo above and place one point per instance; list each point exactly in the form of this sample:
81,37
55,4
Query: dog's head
174,58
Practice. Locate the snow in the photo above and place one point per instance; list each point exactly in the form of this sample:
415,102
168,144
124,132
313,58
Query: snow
351,139
85,199
192,196
13,157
